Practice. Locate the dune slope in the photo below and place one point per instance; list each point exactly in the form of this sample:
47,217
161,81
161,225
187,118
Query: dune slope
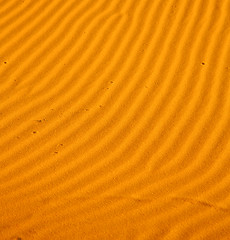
114,119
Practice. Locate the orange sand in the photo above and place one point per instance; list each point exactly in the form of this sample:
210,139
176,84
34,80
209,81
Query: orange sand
114,120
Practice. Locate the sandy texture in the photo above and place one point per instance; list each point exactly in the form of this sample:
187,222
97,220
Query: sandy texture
114,119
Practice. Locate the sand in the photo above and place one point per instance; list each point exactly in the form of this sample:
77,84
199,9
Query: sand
114,120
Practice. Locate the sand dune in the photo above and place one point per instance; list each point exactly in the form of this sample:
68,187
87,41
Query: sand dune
114,119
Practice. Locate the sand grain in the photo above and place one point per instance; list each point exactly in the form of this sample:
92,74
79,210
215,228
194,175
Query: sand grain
114,119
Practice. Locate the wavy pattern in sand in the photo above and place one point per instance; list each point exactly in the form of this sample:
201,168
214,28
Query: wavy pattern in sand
114,119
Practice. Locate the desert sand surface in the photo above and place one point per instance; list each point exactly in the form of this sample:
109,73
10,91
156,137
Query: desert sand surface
115,120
